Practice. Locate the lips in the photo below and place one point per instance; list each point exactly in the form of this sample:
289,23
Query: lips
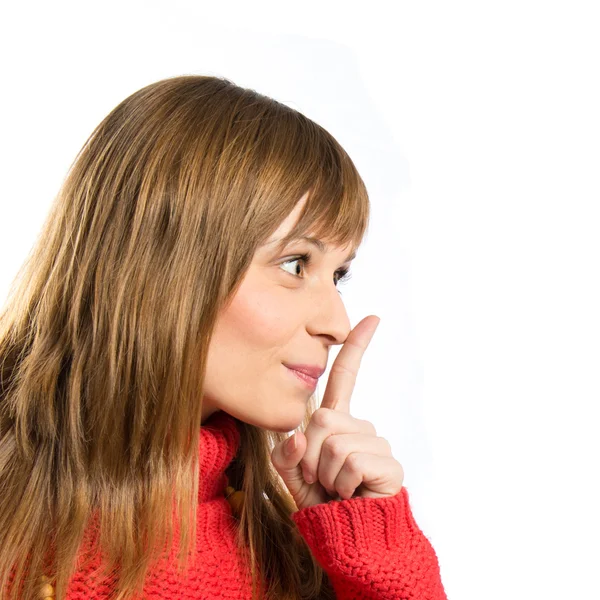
313,371
302,378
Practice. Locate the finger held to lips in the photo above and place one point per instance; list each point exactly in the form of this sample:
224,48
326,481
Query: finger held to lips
345,367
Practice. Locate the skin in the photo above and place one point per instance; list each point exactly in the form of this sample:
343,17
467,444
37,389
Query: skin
275,317
339,456
286,312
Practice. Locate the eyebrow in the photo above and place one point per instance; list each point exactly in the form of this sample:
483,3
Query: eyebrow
320,245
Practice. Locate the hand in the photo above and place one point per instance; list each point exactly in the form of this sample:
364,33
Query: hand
339,454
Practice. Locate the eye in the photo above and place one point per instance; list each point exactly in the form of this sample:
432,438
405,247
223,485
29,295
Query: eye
303,259
340,276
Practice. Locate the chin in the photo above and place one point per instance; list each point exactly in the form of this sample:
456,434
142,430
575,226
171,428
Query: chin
291,418
285,428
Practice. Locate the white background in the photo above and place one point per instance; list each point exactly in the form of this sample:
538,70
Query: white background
476,128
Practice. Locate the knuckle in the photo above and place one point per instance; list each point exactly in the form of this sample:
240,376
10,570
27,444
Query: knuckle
385,444
339,368
334,447
401,472
323,417
368,427
353,462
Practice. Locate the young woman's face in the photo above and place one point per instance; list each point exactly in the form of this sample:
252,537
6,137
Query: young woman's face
284,313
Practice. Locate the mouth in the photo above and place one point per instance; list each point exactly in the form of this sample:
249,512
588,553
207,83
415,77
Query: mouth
301,377
314,371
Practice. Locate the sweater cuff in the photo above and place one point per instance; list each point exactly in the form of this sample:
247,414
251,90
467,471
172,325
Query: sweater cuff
374,545
358,526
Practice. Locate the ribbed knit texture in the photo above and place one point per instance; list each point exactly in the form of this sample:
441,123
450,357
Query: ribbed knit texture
371,548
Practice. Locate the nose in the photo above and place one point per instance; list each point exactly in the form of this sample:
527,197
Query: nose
329,318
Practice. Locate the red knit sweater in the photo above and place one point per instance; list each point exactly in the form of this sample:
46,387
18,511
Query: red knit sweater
371,548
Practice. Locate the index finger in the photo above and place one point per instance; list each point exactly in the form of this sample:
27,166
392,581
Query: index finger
345,367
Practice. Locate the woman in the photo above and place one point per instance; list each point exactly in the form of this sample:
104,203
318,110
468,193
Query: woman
166,332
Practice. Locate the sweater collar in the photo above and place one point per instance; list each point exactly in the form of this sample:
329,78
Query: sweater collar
219,443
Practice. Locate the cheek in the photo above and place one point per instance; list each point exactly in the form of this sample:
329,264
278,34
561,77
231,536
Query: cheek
260,329
256,320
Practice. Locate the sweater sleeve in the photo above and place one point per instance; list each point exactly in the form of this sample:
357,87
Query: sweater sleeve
372,549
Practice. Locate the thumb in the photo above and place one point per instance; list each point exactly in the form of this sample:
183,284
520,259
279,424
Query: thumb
286,457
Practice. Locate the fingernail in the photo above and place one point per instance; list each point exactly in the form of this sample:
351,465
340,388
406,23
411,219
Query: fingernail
290,446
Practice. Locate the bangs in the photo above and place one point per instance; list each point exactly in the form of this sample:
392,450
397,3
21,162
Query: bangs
276,156
337,207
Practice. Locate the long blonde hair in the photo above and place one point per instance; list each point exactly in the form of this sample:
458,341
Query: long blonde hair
104,335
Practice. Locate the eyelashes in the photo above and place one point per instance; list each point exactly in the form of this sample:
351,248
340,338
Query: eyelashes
340,276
